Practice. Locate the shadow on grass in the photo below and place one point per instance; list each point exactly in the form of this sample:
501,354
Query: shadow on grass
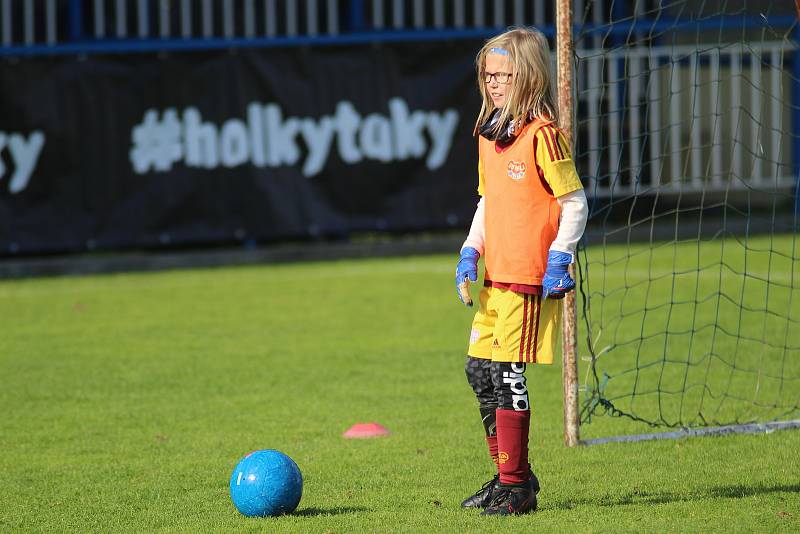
738,491
338,510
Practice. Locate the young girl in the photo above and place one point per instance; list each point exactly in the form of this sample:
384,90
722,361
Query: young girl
531,214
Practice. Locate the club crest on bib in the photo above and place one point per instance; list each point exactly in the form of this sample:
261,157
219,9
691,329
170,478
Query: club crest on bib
516,169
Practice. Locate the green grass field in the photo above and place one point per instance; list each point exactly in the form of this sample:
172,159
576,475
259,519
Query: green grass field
128,399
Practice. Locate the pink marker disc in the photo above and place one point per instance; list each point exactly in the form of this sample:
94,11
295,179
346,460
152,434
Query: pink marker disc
365,430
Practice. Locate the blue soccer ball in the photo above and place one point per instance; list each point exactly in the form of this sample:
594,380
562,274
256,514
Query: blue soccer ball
266,483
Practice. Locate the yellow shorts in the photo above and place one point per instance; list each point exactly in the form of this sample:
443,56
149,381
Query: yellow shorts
513,327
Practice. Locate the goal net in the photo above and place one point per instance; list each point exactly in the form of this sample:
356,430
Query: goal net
686,134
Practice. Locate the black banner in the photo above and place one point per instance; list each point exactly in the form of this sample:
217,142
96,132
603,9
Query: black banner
255,145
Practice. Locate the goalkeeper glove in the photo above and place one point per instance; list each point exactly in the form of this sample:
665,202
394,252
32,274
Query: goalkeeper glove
557,282
466,272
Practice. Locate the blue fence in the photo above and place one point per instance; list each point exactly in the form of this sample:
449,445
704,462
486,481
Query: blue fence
43,27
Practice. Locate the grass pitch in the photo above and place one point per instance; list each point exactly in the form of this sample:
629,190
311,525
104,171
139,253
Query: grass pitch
128,399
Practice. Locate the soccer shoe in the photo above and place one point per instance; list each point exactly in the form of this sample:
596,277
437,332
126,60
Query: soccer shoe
533,482
512,500
483,496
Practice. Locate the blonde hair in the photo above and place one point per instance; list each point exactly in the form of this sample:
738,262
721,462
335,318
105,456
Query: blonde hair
531,90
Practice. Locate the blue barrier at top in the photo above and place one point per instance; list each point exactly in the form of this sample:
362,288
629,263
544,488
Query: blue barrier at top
46,27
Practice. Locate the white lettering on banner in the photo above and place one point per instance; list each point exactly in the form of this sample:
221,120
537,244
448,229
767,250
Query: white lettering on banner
281,148
200,141
24,154
233,144
375,138
445,127
318,137
267,138
157,143
408,138
347,120
2,146
256,128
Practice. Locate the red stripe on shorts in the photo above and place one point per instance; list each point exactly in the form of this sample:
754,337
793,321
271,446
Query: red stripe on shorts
529,321
536,332
524,325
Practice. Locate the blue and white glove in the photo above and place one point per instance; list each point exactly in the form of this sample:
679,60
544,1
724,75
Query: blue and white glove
467,269
557,282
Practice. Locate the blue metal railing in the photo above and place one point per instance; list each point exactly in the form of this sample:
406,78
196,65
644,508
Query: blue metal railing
76,20
124,46
358,27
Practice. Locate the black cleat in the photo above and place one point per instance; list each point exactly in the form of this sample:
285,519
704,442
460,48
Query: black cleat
512,500
534,483
483,495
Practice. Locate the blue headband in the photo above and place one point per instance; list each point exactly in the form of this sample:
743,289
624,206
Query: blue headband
501,51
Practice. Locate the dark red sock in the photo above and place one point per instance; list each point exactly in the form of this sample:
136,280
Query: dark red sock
492,442
512,445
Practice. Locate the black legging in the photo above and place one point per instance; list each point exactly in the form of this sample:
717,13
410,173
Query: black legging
497,385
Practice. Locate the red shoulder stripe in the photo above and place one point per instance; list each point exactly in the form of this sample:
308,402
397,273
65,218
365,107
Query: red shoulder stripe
547,142
562,144
554,137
